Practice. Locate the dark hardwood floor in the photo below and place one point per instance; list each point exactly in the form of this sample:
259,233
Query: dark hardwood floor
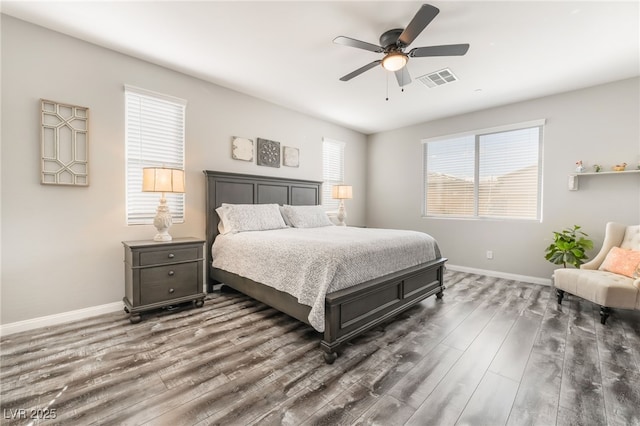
492,352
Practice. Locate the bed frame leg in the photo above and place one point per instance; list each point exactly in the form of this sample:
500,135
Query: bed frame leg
329,351
439,294
330,357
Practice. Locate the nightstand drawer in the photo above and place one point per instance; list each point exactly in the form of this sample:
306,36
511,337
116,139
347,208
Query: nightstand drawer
158,257
168,282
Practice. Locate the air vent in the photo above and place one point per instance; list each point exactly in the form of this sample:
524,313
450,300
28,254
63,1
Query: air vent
438,78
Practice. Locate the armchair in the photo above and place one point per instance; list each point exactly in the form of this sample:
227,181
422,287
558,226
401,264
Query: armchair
612,278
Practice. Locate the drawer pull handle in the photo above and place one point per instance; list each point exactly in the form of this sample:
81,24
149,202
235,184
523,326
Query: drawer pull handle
171,255
171,290
171,273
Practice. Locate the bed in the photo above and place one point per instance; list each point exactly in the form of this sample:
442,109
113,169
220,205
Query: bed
348,312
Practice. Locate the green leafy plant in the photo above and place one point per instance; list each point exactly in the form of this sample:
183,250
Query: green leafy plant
569,247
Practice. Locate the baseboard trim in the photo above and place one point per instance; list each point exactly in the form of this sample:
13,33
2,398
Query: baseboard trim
498,274
79,314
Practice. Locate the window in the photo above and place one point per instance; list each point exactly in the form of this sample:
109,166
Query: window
494,173
332,171
154,138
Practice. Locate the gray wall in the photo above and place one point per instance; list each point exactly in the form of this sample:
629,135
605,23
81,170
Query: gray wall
596,125
61,246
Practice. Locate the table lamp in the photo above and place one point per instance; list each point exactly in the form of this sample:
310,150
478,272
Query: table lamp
161,179
342,192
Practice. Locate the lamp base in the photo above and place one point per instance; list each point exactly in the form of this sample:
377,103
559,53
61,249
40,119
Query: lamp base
162,237
163,221
342,214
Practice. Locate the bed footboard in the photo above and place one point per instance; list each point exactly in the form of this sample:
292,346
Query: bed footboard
351,312
354,310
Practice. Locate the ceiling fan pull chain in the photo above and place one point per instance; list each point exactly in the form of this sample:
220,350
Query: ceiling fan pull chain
387,99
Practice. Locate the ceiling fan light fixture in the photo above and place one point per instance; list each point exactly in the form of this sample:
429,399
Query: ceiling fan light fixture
392,45
394,61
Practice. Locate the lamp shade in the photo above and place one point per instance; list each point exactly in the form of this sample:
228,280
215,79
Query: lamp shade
161,179
342,192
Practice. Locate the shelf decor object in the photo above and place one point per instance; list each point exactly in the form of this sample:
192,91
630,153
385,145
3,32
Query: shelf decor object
242,149
64,144
291,157
342,192
268,153
619,167
161,179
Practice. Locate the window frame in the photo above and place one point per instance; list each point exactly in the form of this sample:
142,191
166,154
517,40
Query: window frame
477,134
140,207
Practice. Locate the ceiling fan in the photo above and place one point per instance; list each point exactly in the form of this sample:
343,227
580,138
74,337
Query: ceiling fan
393,43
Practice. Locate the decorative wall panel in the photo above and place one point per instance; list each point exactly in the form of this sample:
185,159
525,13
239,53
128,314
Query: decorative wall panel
290,156
64,144
268,153
242,149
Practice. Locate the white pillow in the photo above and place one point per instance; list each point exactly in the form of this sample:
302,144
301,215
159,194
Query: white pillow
221,229
306,216
284,217
249,217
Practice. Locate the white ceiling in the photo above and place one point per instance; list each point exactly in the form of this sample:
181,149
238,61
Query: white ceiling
283,51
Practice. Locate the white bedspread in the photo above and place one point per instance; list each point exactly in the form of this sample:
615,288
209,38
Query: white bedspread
308,263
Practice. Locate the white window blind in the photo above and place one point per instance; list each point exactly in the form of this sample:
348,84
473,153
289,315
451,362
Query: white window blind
490,174
332,171
450,177
154,137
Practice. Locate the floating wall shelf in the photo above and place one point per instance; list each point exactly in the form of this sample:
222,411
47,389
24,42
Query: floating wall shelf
573,177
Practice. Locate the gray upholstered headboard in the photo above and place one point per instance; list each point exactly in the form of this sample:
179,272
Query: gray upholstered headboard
236,188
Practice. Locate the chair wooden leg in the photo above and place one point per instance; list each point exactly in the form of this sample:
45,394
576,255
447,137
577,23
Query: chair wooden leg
604,314
560,294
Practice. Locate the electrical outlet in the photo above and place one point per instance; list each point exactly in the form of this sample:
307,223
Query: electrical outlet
489,254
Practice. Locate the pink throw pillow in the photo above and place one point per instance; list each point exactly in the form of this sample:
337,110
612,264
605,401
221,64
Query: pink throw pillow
621,261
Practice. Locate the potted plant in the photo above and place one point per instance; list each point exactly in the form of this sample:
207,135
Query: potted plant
568,247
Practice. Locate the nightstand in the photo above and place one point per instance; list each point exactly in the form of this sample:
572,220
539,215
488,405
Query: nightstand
162,273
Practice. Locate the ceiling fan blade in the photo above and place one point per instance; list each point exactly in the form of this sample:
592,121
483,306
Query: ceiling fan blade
421,19
403,76
360,71
352,42
444,50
